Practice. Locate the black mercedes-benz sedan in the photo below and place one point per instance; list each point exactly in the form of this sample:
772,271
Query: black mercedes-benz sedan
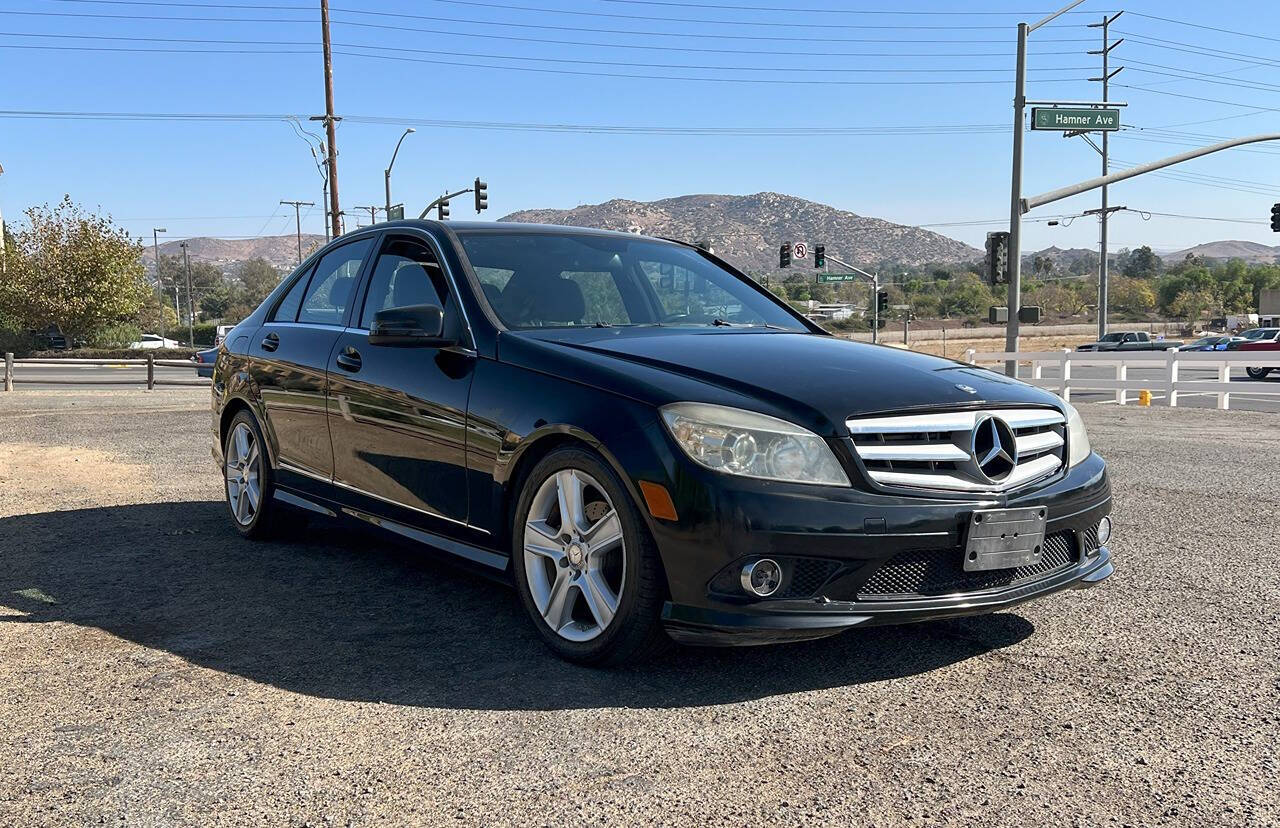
649,444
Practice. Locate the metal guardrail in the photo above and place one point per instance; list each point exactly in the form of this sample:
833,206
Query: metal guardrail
1171,361
150,363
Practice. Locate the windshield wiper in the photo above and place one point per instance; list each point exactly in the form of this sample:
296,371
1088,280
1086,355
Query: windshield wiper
725,323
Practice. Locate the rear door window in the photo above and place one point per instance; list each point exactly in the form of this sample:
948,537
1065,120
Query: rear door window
333,284
287,310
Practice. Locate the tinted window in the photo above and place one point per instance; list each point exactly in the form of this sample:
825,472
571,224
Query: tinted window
287,310
536,280
334,281
406,273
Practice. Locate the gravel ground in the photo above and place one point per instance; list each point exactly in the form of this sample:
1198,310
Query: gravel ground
157,670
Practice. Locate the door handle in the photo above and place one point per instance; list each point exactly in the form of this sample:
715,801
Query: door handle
270,342
349,360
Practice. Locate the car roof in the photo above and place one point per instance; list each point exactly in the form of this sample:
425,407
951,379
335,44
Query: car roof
512,227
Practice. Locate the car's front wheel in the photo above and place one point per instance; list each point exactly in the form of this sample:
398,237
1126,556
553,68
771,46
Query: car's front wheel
1257,373
585,566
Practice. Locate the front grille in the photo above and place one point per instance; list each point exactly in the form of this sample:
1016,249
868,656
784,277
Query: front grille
941,571
936,451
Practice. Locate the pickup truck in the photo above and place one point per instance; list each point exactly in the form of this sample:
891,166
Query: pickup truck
1260,339
1129,341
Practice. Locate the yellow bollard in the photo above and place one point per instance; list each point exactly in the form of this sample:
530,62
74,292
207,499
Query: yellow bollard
1144,398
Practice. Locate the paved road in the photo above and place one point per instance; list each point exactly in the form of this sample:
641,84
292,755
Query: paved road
156,669
36,377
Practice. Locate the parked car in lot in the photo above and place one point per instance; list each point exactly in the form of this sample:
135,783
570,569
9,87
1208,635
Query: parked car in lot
646,441
1219,342
149,341
1129,341
204,361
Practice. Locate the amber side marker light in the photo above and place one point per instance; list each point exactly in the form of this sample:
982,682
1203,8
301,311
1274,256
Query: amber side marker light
658,500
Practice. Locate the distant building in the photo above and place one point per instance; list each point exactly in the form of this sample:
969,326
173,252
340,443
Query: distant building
1269,308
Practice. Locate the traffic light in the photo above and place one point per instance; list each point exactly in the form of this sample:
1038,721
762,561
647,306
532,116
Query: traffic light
882,301
819,255
997,264
1275,218
482,195
442,209
784,255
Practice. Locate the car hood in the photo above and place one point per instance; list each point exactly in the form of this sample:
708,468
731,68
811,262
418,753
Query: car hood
814,380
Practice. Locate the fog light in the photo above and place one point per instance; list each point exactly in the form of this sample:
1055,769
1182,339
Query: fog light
762,578
1104,531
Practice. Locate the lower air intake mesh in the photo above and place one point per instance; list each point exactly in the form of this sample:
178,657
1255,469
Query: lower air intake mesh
941,571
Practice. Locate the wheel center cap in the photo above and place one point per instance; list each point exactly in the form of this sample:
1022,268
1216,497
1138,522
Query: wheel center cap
576,554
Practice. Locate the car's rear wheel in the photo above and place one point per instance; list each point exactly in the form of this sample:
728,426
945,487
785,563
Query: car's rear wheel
586,568
1257,373
248,480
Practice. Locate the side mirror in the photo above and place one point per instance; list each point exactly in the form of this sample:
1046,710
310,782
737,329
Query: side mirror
421,325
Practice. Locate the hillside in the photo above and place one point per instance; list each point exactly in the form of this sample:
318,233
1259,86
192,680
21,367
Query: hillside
1251,252
281,251
748,229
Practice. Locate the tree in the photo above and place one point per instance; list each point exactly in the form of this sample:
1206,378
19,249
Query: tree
73,269
1142,263
257,278
1191,305
1132,296
215,302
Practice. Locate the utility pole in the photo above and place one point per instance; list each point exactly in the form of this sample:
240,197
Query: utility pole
297,218
191,312
373,212
1015,199
330,122
1107,75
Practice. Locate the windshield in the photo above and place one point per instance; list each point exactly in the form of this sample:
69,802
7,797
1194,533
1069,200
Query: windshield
544,280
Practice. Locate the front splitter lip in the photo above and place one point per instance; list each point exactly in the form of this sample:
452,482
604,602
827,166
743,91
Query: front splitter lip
803,620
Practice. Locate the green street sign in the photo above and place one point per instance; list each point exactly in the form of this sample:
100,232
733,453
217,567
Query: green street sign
837,277
396,213
1085,120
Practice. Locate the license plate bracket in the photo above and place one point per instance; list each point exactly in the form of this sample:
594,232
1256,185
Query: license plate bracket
1004,538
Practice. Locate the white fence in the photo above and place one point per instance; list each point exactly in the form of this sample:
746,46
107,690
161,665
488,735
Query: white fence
1170,382
134,377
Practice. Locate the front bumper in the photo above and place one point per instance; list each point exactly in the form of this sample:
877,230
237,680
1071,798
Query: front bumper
863,538
803,621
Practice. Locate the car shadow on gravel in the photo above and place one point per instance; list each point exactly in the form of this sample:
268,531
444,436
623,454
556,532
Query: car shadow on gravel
349,614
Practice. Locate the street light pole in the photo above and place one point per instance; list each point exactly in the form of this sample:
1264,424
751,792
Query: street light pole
191,308
1015,199
155,246
392,164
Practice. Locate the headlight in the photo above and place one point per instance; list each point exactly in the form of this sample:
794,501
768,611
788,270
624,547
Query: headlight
1077,439
734,441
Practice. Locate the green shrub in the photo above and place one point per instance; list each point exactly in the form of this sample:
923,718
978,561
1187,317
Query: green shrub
115,335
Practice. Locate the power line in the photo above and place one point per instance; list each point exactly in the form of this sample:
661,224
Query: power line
629,32
781,81
1204,27
826,11
517,126
1197,98
540,40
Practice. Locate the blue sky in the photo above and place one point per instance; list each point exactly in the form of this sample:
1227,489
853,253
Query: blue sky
404,63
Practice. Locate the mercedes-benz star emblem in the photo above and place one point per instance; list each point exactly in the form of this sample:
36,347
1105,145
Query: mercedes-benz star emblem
994,448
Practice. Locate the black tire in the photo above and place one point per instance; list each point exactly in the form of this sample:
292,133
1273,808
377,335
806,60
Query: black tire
1257,373
270,519
635,633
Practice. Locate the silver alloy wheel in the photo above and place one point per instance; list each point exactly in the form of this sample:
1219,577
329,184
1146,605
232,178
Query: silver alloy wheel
244,474
574,555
